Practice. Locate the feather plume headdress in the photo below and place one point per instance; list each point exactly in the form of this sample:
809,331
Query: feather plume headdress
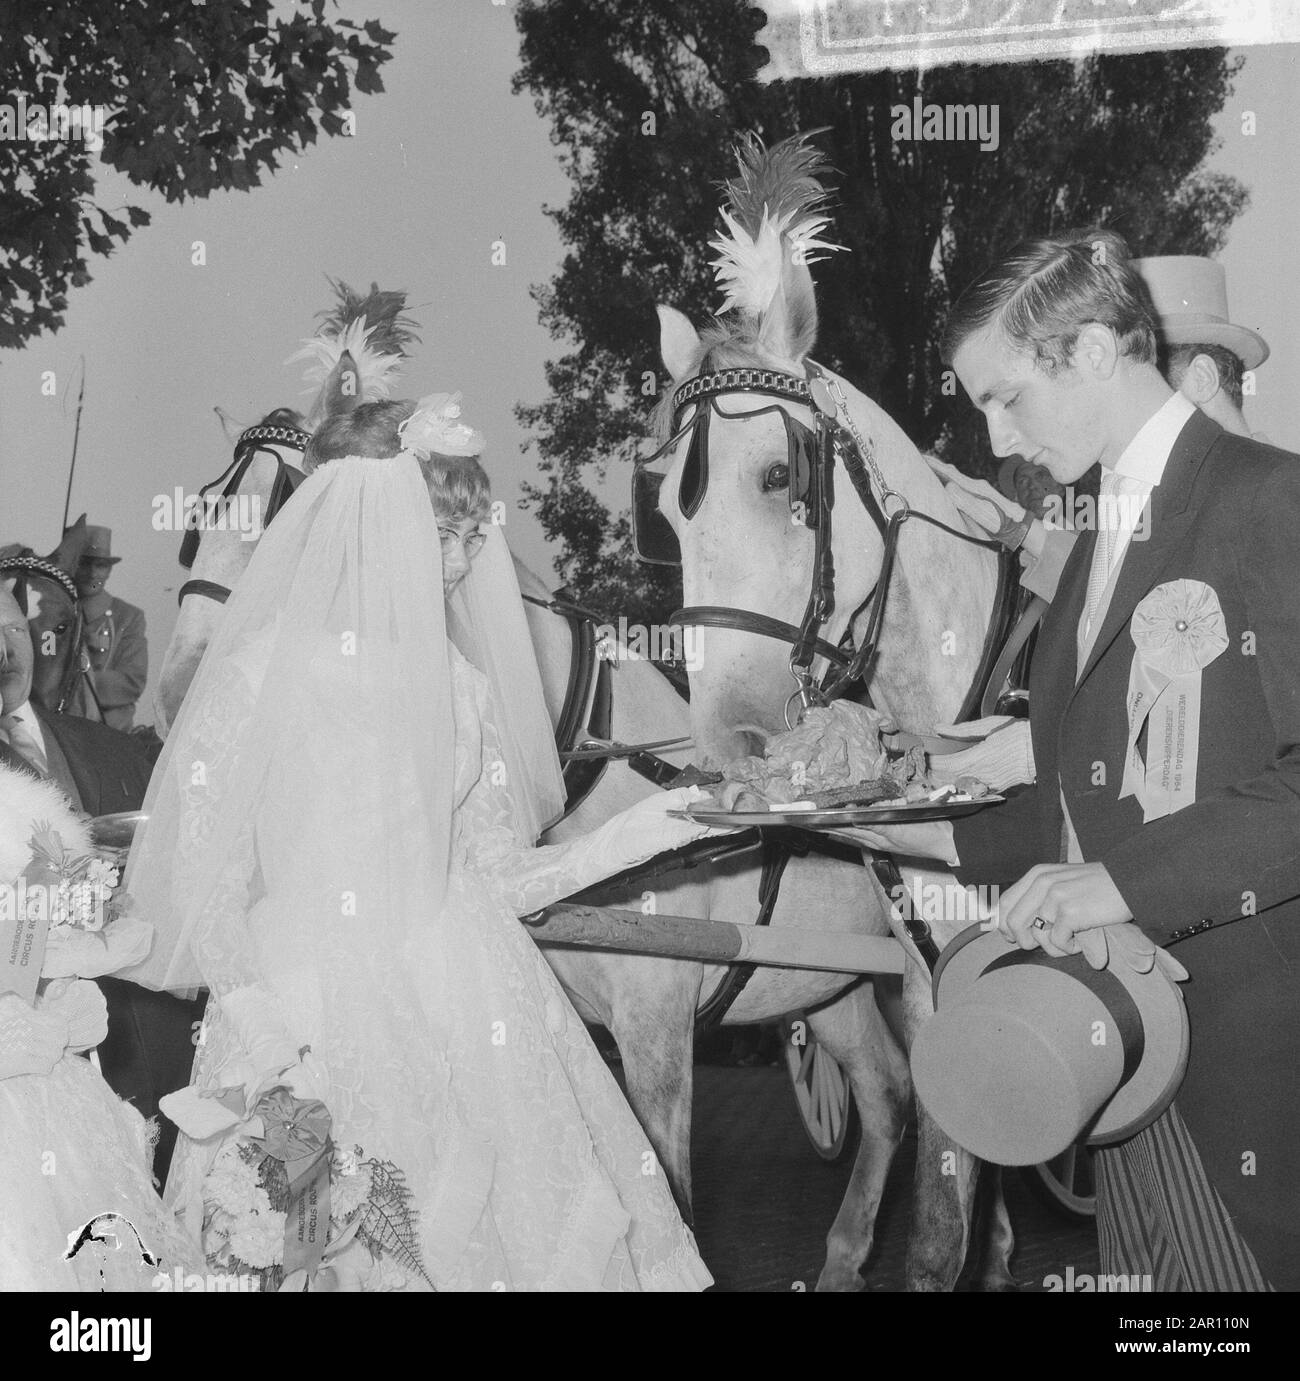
775,214
373,330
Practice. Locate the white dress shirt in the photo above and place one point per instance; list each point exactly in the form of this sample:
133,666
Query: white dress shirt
1136,473
26,716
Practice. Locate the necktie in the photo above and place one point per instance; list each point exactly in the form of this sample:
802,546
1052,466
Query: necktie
24,743
1103,554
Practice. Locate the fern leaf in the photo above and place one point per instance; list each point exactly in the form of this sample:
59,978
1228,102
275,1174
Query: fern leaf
389,1221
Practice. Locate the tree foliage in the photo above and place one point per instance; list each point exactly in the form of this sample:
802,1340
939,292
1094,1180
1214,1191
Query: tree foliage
196,98
645,103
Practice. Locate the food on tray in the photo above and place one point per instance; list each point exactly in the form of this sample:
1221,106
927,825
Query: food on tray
869,793
834,758
691,775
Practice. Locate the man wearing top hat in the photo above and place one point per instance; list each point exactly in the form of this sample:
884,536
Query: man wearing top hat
1204,354
114,638
1165,715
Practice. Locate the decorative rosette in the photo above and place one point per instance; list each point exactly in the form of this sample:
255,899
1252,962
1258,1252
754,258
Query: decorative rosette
1179,628
1177,631
434,428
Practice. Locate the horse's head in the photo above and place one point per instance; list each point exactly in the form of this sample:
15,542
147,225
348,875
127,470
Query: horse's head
745,540
55,628
354,358
737,486
46,592
222,533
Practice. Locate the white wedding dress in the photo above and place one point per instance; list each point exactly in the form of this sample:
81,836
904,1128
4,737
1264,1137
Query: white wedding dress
448,1046
71,1151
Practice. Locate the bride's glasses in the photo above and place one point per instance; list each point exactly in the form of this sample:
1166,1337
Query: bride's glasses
471,540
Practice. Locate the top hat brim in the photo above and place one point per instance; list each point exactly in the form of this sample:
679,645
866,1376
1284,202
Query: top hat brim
1151,1087
1248,346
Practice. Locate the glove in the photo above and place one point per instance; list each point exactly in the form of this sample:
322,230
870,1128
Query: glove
1002,518
32,1039
1104,945
80,1005
645,829
1003,759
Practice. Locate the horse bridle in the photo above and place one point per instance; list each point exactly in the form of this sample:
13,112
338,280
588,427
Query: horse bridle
813,454
79,662
251,443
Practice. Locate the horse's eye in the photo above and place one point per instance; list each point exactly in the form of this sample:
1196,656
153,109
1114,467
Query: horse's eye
778,477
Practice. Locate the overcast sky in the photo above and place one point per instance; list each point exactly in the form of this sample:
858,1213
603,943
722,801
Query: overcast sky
443,164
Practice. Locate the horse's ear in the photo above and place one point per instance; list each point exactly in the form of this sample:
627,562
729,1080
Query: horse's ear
679,343
67,554
788,329
339,395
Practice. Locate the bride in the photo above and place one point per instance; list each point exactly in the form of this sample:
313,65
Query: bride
339,844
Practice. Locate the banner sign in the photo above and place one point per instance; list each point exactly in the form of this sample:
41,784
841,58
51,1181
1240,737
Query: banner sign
824,38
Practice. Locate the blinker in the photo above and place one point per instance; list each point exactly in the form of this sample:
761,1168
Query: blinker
653,538
801,449
695,472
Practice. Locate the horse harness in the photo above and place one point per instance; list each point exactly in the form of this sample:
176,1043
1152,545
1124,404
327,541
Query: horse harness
585,719
79,662
810,472
251,443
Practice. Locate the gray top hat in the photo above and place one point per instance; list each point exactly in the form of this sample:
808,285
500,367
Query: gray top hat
1190,294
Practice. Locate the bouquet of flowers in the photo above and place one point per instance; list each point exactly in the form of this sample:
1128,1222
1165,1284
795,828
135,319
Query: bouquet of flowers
60,917
281,1200
91,931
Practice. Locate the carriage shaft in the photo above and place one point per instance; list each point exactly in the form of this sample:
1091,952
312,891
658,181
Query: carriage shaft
717,942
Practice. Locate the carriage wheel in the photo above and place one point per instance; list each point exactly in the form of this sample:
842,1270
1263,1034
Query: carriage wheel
1066,1184
822,1093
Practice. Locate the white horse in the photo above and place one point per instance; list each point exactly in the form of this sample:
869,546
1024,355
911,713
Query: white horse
649,1004
744,549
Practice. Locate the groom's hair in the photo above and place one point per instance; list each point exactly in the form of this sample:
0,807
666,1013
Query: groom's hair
370,429
1044,292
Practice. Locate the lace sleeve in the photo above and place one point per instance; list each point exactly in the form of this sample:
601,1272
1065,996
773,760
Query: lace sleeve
527,878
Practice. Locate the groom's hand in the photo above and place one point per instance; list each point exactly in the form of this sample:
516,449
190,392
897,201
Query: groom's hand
1064,898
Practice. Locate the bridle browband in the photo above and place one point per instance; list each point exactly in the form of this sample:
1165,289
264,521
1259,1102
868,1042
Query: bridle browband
812,501
251,442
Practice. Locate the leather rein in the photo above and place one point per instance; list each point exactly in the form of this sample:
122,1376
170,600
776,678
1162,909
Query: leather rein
812,503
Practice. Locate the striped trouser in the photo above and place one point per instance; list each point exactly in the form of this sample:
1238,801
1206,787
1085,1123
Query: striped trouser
1158,1215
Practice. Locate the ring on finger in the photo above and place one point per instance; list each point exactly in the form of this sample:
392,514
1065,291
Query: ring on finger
1040,924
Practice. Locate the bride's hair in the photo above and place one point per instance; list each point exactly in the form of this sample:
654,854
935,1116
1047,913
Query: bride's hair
458,485
370,429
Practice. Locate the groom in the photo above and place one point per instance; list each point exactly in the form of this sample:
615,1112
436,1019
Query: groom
1200,557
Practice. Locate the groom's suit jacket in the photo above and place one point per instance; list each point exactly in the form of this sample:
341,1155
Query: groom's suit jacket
1220,878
